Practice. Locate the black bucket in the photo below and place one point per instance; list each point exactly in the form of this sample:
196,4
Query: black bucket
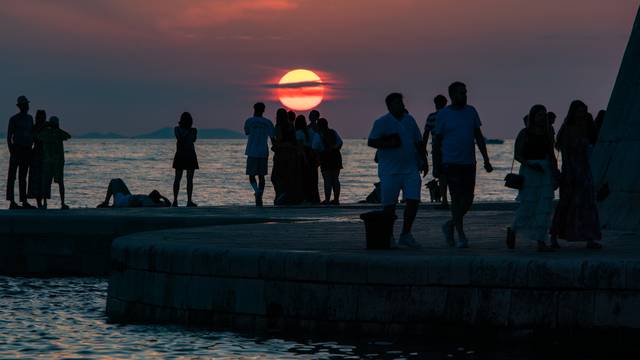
379,229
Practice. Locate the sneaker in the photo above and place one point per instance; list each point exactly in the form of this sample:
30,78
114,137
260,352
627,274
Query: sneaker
408,241
258,200
334,202
447,230
191,204
64,207
14,206
174,204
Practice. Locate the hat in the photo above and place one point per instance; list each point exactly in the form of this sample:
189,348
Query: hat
54,120
22,100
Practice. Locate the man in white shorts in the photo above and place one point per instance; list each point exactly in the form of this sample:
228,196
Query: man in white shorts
401,156
259,129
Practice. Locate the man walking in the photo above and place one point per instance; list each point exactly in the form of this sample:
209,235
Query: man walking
457,131
258,129
401,156
20,141
440,102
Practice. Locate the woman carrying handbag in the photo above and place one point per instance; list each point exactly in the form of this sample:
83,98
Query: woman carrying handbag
538,173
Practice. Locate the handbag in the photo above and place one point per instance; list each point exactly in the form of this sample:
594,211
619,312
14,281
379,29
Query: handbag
513,181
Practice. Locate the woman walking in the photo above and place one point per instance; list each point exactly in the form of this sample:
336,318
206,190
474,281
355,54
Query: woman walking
538,166
576,216
327,143
35,188
185,157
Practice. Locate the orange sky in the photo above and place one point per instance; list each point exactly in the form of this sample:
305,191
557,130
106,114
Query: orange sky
131,66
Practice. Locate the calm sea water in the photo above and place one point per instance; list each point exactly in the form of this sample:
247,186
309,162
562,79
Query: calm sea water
146,165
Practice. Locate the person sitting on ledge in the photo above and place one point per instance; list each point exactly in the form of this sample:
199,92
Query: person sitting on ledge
122,197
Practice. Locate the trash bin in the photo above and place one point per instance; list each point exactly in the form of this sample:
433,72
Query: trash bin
378,228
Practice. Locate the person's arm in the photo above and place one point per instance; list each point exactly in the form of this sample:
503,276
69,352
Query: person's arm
339,142
379,137
10,131
65,135
246,127
482,146
518,148
195,134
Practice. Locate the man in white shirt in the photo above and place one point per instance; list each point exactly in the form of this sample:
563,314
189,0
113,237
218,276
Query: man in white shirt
401,156
259,129
457,131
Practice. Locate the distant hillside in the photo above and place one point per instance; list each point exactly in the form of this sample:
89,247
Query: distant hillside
167,133
99,135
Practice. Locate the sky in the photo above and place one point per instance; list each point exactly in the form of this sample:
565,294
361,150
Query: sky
133,66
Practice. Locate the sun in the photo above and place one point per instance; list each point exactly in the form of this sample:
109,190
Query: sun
300,90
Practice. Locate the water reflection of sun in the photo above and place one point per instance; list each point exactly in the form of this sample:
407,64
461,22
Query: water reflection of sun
300,90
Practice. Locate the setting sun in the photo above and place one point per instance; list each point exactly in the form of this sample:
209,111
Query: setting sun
300,90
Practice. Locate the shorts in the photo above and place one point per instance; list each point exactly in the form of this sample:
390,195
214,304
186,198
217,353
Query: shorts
461,179
390,186
257,166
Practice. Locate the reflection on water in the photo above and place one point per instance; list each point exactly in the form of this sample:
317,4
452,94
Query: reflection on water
221,180
60,318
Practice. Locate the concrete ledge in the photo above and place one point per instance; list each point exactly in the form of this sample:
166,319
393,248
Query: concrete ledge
316,277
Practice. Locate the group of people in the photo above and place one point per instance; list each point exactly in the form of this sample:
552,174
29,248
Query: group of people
36,155
299,149
576,214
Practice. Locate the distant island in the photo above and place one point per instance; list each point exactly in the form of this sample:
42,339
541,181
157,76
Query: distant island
166,133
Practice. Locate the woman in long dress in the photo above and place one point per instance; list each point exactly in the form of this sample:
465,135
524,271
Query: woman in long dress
185,157
538,165
576,216
286,174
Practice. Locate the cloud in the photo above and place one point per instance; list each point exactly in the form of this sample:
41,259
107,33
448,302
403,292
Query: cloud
297,85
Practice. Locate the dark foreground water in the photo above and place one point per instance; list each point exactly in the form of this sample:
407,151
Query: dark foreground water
65,318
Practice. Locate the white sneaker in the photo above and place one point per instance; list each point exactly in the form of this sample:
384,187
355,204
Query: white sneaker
408,241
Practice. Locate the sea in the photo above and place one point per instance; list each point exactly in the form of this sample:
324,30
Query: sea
146,165
64,318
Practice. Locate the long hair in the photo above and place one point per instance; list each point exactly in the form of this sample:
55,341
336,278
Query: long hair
301,124
41,117
186,121
569,122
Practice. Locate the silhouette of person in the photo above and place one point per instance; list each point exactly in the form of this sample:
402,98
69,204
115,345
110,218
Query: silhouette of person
576,215
286,173
185,157
314,116
440,102
291,117
401,154
538,165
259,130
304,137
52,138
35,188
122,197
19,141
457,131
327,144
551,116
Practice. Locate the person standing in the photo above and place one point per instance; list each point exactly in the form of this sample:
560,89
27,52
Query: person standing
304,137
314,162
286,172
440,102
185,157
19,141
401,154
576,215
327,144
52,138
258,129
538,166
35,189
457,131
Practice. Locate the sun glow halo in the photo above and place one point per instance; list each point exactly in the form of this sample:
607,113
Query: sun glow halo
300,90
